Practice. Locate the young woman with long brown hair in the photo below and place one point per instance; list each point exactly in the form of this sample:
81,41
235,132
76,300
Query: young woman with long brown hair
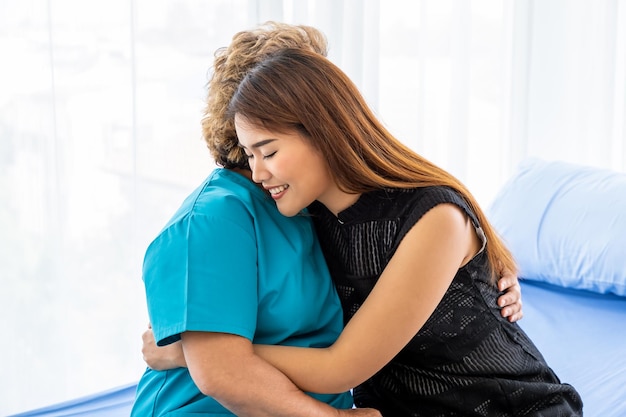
412,254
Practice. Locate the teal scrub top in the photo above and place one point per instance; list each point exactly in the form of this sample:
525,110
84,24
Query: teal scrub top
229,262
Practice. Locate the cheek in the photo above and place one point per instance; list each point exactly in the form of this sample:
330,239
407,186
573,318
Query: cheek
307,166
316,171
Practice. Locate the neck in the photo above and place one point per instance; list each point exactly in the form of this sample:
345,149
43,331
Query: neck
337,201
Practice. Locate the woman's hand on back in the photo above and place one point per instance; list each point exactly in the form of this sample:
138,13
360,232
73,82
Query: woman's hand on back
511,301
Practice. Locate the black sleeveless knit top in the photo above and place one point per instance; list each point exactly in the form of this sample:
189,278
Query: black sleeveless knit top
466,360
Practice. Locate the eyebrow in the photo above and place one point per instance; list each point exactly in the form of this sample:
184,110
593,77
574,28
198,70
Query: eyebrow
259,143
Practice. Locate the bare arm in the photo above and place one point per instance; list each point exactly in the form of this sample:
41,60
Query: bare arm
225,367
444,240
406,294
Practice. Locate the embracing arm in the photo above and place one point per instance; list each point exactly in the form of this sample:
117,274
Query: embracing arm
444,240
405,296
398,306
225,367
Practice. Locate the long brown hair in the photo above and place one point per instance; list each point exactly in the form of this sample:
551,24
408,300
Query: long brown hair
230,66
297,89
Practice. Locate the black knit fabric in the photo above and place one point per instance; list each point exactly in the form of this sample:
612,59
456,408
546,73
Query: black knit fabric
466,360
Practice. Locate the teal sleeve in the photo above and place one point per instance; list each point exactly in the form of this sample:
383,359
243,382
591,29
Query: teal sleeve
200,274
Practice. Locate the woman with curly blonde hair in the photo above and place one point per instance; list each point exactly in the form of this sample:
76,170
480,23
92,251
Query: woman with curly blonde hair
224,273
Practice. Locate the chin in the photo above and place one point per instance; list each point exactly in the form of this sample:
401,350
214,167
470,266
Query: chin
288,211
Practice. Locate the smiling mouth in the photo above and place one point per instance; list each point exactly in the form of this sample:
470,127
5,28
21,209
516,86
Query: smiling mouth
277,190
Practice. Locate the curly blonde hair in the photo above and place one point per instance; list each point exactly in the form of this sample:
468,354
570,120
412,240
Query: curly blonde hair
230,66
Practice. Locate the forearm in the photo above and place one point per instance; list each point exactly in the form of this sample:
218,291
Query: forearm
267,392
226,368
311,369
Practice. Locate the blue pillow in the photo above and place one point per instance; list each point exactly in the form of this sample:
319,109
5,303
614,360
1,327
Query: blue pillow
565,224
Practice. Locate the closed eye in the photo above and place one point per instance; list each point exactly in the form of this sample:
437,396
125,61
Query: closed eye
251,156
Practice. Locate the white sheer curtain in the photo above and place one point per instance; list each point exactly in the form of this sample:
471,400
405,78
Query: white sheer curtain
99,137
478,85
577,91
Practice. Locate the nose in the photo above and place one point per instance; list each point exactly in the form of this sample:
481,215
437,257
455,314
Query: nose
259,172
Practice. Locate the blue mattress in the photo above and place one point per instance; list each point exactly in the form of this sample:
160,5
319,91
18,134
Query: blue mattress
580,333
